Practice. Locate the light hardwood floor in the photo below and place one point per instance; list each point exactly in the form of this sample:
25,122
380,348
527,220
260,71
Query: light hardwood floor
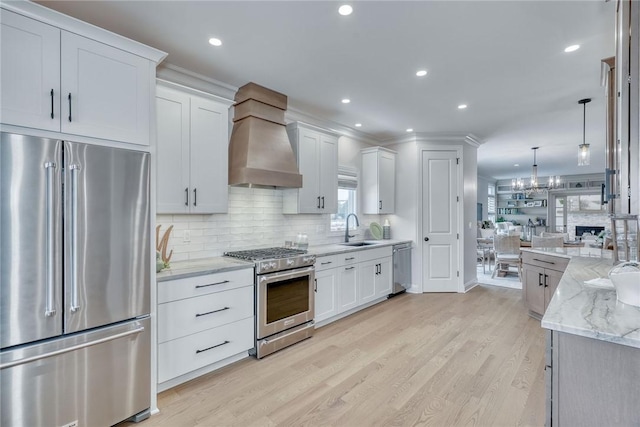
434,359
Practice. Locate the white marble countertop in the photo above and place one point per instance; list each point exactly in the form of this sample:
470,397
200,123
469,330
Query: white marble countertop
338,248
570,252
202,266
591,311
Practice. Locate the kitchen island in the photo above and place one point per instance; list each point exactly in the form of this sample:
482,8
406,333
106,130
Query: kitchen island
593,346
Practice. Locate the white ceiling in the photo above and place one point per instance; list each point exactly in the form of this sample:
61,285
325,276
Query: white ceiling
504,59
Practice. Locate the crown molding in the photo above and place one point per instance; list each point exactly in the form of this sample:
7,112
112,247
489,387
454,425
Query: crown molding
450,138
174,74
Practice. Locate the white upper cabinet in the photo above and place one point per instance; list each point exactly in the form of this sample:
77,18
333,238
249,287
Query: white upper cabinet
316,152
192,152
61,81
30,60
378,180
105,91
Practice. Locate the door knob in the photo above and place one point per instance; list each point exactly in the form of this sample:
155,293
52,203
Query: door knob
426,239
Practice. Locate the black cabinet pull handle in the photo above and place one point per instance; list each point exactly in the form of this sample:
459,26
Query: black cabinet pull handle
211,312
52,103
69,97
325,263
349,268
212,347
212,284
315,285
195,197
545,281
380,204
539,279
349,259
186,196
322,202
541,260
318,202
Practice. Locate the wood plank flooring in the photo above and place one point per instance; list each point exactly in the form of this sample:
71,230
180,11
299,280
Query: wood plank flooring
474,359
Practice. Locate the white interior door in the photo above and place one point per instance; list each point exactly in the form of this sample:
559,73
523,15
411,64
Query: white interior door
439,221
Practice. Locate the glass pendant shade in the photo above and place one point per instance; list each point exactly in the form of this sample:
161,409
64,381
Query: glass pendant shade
583,155
583,149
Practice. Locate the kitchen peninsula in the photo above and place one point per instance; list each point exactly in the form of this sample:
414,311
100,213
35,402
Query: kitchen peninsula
593,346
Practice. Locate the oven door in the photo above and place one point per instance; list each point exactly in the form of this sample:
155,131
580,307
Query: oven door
285,300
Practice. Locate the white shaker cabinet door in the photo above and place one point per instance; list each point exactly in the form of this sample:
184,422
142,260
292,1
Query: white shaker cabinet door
309,166
172,109
105,91
386,182
209,156
325,299
328,174
384,277
30,63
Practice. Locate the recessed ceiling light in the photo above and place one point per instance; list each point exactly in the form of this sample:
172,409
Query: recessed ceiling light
421,73
517,164
572,48
345,10
215,42
462,106
346,101
358,125
410,130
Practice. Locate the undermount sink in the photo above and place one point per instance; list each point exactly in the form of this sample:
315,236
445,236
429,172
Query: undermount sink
357,244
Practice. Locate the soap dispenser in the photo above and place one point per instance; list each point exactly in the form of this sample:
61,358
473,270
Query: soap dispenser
386,230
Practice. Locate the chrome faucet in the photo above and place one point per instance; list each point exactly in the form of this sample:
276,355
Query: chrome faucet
346,231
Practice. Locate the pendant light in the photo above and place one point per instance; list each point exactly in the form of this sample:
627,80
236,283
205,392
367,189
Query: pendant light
583,149
534,170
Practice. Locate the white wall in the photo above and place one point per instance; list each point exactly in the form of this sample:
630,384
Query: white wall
470,199
483,194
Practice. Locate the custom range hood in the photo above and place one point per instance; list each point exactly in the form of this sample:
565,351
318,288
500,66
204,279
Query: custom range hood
260,154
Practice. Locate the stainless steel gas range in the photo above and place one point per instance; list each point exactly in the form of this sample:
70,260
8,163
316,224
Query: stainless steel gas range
285,280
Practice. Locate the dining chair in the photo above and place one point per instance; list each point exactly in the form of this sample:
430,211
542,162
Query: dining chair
547,242
506,252
484,252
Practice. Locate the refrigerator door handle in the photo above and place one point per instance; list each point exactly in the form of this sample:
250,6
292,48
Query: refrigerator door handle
70,349
74,237
50,304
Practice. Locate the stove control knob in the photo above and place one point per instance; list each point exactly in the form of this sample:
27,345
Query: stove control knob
308,259
290,262
273,264
264,266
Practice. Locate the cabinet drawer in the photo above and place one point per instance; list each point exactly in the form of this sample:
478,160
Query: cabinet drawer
375,253
545,261
195,351
188,316
349,258
327,262
172,290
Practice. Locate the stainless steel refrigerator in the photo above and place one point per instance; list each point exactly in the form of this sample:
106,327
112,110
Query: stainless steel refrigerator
74,282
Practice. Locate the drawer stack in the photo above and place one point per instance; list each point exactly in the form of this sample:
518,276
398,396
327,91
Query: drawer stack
203,320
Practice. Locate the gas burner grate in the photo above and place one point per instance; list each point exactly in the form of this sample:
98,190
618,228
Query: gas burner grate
266,253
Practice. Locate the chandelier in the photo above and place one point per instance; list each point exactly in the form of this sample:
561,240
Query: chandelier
534,186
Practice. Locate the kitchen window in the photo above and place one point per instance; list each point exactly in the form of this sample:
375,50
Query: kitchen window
347,196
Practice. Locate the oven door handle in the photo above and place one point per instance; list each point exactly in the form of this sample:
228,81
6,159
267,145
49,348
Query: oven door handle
290,274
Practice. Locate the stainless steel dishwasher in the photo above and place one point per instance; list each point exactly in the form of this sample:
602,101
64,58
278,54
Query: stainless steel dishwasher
401,268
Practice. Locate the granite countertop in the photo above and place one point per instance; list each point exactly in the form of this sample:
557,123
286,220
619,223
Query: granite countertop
590,311
201,267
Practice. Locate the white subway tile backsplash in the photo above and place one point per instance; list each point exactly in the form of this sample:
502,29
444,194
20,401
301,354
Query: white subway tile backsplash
255,219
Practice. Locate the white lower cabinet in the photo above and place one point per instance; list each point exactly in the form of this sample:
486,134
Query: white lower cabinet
351,281
203,321
325,299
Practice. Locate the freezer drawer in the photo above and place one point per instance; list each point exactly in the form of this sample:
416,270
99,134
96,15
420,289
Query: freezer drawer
93,379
